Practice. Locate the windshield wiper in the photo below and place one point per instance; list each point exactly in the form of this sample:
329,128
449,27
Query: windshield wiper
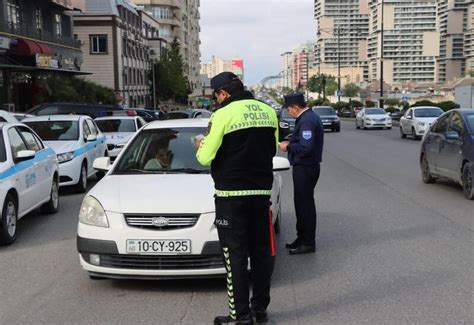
187,170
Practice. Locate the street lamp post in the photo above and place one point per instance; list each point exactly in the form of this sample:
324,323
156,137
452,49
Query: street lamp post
338,30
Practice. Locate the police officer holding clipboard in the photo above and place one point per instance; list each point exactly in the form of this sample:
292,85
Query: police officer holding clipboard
305,154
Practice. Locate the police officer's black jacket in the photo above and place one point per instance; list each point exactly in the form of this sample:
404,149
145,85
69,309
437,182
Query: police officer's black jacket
306,143
240,146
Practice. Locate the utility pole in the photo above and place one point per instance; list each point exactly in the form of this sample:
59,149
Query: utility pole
381,101
338,64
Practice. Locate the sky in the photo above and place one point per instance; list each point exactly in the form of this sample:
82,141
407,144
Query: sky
258,31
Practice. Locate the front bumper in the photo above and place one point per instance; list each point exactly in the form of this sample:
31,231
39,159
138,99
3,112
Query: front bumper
110,244
377,124
69,172
331,124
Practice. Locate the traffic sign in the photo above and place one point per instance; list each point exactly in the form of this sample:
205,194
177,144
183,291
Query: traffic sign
339,93
405,98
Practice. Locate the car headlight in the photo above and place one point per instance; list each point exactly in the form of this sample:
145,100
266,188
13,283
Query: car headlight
92,213
368,119
67,156
337,119
284,125
420,124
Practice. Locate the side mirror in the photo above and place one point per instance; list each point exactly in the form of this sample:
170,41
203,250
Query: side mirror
280,164
91,138
102,164
452,135
25,155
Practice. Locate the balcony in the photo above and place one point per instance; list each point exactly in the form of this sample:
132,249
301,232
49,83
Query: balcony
26,30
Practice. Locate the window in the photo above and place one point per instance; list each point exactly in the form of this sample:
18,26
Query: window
30,139
92,127
99,44
85,131
58,29
13,14
39,20
3,152
456,124
16,142
442,124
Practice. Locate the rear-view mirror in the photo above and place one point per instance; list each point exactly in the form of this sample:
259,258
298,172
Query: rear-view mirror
24,155
91,138
452,135
102,164
280,164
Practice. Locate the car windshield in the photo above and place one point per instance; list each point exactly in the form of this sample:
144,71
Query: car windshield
376,111
162,151
470,121
3,153
324,111
428,112
56,130
116,125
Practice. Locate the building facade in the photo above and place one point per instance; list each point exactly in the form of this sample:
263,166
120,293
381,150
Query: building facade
115,39
179,19
342,30
286,69
469,40
218,65
452,22
36,41
410,40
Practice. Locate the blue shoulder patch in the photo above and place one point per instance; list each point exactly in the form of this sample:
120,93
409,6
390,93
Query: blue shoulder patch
307,134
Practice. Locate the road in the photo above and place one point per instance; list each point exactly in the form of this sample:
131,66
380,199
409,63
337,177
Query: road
390,250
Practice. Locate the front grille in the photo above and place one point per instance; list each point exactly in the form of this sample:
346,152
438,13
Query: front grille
64,179
161,222
142,262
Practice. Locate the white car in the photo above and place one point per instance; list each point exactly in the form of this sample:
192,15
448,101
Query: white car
7,117
118,131
77,142
369,118
152,215
29,177
417,121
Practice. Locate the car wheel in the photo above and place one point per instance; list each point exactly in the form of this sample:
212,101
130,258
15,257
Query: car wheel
9,221
413,134
357,126
95,277
467,181
425,171
363,125
277,224
82,185
389,128
402,134
338,129
52,206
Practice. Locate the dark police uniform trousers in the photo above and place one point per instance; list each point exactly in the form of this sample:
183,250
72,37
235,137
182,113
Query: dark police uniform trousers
245,230
305,154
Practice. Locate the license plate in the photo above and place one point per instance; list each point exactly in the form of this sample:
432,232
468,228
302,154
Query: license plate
164,246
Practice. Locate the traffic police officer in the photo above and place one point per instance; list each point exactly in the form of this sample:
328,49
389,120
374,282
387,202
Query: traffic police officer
240,145
305,153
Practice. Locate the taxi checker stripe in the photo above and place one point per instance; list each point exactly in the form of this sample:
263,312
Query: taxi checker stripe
40,155
230,287
220,193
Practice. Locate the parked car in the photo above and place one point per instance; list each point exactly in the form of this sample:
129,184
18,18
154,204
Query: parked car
28,177
147,114
91,110
125,234
328,117
373,118
7,117
396,115
447,150
118,130
286,124
77,142
347,112
417,120
188,113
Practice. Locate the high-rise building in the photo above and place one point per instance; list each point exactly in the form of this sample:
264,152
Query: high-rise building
410,40
453,28
218,65
342,29
469,40
179,19
286,69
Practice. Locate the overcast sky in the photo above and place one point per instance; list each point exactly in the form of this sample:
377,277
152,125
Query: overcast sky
257,31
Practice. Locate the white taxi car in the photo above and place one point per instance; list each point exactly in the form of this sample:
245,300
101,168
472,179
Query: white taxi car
118,131
152,215
77,142
28,177
417,121
369,118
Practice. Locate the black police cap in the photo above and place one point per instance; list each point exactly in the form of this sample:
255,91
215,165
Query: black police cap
294,99
223,79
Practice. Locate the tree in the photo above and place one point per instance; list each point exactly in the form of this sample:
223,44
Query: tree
315,84
423,103
369,103
392,102
448,105
170,82
339,106
350,90
355,103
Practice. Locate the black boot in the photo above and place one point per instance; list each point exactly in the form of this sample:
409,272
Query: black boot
293,245
247,320
260,316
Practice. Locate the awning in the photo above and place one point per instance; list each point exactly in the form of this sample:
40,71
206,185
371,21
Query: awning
29,48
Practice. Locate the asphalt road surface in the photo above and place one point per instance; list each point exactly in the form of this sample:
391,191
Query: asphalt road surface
390,250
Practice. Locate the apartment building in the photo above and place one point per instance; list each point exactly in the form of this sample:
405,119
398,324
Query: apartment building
342,30
469,40
115,36
179,19
36,41
453,28
286,69
218,65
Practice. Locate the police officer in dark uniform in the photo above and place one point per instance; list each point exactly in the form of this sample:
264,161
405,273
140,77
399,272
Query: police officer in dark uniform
305,154
240,145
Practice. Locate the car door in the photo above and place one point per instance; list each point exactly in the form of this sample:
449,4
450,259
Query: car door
450,152
90,151
407,121
26,179
99,144
433,141
42,164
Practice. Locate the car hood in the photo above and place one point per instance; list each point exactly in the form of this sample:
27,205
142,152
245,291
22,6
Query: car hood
118,137
426,119
61,146
377,116
161,193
